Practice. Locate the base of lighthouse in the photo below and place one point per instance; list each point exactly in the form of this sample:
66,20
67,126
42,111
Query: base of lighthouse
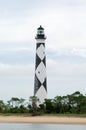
41,94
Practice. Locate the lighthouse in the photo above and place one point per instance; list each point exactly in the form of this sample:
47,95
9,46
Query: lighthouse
40,82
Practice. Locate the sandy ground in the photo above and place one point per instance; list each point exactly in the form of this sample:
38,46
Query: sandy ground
42,119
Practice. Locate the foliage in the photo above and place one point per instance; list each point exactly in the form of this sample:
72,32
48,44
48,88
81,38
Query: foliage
70,104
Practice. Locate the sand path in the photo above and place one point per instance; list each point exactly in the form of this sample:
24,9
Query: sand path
42,119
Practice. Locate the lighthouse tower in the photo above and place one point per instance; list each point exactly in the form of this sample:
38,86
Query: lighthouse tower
40,84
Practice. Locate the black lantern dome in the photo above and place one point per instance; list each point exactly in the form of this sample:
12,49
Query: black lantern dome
40,33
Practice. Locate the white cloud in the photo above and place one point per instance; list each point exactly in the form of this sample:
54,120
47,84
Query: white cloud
66,69
79,52
64,26
17,70
16,81
65,77
5,50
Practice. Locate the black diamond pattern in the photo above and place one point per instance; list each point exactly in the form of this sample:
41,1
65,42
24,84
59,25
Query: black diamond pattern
37,84
45,84
38,60
44,61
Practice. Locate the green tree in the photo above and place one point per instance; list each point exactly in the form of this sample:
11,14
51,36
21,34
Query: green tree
2,106
57,102
14,102
21,101
48,105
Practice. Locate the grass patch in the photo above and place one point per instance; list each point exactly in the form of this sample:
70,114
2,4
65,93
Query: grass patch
58,115
15,114
66,115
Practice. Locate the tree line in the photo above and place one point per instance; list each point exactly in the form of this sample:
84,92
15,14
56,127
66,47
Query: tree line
73,104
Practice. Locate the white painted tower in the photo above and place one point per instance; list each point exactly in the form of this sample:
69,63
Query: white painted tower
40,83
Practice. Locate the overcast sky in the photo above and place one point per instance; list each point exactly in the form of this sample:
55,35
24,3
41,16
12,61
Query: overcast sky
64,22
